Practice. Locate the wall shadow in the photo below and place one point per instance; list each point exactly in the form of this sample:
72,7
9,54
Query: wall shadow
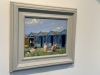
42,69
98,1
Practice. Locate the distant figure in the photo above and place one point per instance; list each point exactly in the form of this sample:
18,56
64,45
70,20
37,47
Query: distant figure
50,45
45,47
31,43
53,49
56,45
33,49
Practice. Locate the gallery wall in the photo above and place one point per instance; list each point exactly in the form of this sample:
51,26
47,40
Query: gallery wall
87,46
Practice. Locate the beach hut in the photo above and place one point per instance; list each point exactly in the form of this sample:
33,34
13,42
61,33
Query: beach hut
26,40
32,38
41,38
52,37
62,38
56,36
38,39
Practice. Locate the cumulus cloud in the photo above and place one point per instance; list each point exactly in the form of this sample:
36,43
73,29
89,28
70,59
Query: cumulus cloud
33,21
59,28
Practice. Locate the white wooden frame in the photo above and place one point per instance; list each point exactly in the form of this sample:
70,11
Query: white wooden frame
18,13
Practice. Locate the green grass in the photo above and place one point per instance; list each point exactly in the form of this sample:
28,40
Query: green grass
39,52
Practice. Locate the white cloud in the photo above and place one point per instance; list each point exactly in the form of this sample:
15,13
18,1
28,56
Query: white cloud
33,21
59,28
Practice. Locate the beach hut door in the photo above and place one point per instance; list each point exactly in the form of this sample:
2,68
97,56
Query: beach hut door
52,40
63,41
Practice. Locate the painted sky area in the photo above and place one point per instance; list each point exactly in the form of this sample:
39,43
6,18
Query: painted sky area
44,25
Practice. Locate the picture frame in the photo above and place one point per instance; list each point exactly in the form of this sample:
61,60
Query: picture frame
19,11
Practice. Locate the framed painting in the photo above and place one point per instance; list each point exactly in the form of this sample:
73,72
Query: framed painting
41,36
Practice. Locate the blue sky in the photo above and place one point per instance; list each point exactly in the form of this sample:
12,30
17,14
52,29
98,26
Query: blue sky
45,25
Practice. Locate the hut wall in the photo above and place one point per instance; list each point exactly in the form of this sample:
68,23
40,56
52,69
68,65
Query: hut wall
50,33
48,39
56,39
63,32
26,41
44,39
60,41
40,41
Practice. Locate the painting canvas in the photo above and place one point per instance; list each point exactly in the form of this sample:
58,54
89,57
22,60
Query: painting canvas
44,36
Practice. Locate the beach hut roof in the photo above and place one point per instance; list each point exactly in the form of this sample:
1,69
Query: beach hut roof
63,31
32,34
35,34
56,32
44,33
26,36
53,33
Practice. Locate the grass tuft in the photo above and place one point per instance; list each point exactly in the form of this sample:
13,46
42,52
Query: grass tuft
39,52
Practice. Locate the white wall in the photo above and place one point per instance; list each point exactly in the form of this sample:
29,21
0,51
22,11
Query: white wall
87,51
